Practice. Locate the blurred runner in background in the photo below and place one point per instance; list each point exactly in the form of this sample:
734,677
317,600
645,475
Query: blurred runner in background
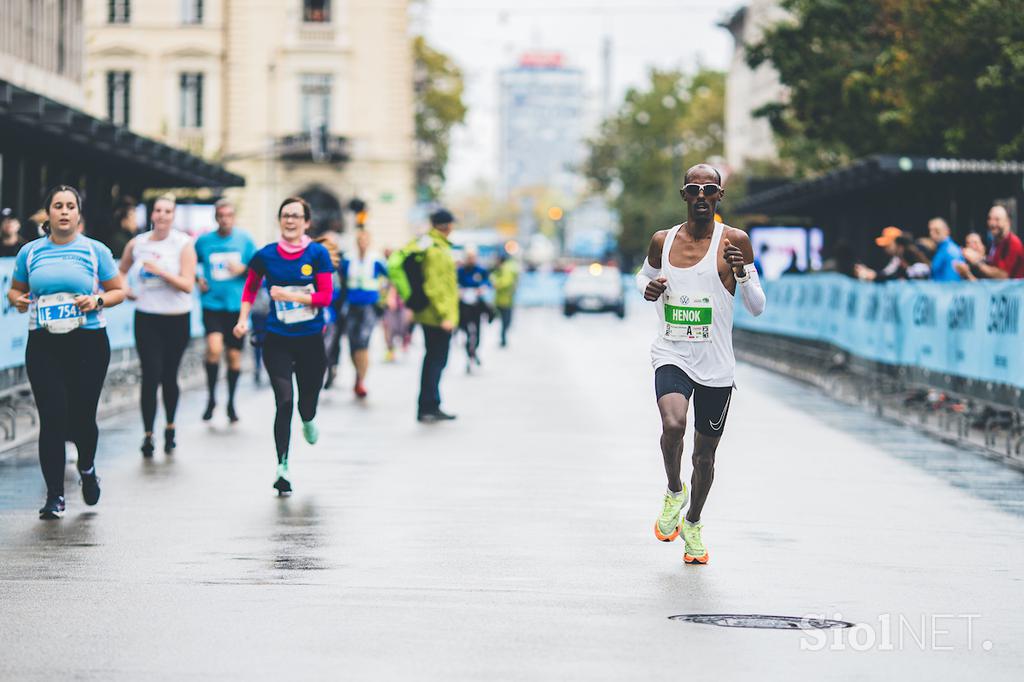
473,283
505,278
363,273
224,256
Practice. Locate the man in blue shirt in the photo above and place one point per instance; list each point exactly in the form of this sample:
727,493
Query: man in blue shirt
223,255
947,253
473,281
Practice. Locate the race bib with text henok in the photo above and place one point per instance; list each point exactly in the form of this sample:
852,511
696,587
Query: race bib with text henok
688,317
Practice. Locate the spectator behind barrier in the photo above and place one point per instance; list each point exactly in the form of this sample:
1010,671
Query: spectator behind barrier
947,253
967,270
843,260
906,260
11,240
1006,254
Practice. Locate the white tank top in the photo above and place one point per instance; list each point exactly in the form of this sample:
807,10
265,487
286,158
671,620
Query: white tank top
695,318
154,294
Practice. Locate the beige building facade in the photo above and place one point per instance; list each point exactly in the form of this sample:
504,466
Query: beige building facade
301,97
748,138
41,47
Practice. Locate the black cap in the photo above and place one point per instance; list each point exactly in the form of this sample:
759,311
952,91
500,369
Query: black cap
441,217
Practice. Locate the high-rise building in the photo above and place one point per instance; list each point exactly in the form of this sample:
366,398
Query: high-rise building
303,97
542,108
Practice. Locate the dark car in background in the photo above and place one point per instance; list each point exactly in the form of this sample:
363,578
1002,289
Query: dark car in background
595,288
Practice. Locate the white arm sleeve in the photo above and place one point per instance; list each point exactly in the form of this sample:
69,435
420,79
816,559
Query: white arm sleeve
751,291
644,277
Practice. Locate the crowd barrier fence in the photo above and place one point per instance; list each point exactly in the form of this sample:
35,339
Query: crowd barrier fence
962,329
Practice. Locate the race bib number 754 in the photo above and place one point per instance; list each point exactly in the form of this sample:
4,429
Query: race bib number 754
58,313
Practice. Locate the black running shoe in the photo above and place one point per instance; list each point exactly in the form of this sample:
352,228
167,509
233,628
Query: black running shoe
232,415
208,415
332,374
283,486
147,446
90,487
54,507
444,416
169,443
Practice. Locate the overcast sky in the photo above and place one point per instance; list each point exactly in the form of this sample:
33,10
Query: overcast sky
484,36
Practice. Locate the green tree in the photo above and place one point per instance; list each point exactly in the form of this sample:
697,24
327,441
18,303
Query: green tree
641,153
897,76
439,107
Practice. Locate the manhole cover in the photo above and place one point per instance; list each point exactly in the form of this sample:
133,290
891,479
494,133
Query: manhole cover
730,620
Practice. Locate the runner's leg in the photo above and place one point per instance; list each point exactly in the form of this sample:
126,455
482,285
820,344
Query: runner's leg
177,330
704,448
710,409
149,343
310,365
44,363
278,360
214,351
673,407
86,385
234,371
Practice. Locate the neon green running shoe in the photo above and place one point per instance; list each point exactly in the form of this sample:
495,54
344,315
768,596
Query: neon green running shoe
666,528
695,551
310,432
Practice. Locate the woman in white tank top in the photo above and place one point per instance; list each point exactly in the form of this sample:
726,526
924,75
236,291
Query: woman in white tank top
161,268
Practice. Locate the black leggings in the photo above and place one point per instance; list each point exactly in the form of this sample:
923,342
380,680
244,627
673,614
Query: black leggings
304,357
161,341
66,372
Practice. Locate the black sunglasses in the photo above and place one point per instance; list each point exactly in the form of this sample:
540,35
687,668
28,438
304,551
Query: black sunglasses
694,190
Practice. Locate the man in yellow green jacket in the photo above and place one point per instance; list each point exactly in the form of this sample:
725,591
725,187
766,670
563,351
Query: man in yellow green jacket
505,278
441,316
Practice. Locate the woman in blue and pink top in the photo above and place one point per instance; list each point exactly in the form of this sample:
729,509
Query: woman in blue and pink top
297,274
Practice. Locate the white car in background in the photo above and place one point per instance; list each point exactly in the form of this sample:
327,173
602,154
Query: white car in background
594,288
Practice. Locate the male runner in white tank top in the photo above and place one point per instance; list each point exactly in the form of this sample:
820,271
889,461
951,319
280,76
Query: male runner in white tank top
693,271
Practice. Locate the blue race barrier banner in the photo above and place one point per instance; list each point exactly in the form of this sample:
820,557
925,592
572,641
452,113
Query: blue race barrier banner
120,323
967,329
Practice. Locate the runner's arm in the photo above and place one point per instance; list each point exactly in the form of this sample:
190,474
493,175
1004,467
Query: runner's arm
740,255
649,281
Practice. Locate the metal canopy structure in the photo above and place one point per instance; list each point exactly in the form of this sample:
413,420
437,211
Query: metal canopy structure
856,201
31,119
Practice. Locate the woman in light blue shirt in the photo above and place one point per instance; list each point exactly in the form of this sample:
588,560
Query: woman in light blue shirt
64,281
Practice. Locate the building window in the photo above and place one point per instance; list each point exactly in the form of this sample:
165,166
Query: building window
191,11
316,11
191,97
119,11
119,95
315,99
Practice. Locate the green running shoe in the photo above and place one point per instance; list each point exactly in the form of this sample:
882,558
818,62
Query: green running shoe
310,432
666,528
282,485
695,551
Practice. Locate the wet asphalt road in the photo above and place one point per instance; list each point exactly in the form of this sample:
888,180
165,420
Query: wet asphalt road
516,543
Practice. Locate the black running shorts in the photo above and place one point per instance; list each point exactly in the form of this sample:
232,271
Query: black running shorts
710,403
222,322
361,321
